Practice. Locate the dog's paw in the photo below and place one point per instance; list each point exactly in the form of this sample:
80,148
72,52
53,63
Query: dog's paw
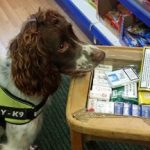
34,147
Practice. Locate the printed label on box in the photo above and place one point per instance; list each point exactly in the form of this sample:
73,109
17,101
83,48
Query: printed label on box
145,69
121,77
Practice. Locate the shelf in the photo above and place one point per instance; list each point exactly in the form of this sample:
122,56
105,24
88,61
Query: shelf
85,17
138,9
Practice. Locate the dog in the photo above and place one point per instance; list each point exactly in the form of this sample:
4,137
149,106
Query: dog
30,72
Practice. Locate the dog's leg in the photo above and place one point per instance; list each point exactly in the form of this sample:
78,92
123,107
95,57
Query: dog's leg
20,137
1,131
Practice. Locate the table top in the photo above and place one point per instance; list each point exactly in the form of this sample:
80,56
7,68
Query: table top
115,127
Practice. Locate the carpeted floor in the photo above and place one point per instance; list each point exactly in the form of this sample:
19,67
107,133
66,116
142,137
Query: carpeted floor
55,132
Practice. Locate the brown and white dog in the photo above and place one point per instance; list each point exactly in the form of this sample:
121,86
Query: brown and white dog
45,47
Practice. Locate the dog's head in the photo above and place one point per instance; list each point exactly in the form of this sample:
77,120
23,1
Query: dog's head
45,47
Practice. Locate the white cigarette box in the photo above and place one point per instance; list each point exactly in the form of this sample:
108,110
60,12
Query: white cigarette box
105,107
97,88
104,67
101,95
92,103
122,77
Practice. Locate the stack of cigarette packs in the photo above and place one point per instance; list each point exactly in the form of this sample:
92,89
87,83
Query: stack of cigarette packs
115,92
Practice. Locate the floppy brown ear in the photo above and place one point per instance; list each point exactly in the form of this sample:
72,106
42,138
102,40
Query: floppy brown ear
32,70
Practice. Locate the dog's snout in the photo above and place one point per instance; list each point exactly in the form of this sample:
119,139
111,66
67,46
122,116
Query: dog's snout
97,55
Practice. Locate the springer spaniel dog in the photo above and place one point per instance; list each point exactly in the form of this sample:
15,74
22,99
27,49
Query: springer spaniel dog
30,73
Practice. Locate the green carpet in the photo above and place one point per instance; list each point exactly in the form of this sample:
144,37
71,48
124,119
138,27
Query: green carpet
55,132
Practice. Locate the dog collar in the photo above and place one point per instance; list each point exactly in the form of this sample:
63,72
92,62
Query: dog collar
16,110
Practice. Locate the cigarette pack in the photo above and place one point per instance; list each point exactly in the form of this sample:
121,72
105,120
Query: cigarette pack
130,90
105,107
101,88
101,82
136,110
126,94
100,95
118,108
91,106
122,77
104,67
144,82
127,109
145,111
144,97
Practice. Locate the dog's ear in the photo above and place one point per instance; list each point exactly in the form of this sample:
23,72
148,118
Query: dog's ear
14,44
32,69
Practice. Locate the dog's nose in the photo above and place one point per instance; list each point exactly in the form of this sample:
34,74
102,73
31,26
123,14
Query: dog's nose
97,55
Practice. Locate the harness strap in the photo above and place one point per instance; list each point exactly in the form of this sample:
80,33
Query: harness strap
17,98
38,108
16,113
21,113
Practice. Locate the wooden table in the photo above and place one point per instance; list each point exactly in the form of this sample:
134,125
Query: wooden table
83,124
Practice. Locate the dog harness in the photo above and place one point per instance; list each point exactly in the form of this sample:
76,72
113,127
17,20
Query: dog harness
16,110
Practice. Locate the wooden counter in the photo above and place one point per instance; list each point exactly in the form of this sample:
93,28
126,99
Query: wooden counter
84,124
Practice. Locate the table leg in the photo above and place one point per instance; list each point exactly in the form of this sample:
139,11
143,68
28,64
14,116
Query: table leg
148,147
76,140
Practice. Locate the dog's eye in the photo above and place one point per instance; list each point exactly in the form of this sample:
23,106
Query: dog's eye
63,47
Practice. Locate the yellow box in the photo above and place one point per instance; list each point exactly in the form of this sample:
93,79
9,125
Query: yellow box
144,97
